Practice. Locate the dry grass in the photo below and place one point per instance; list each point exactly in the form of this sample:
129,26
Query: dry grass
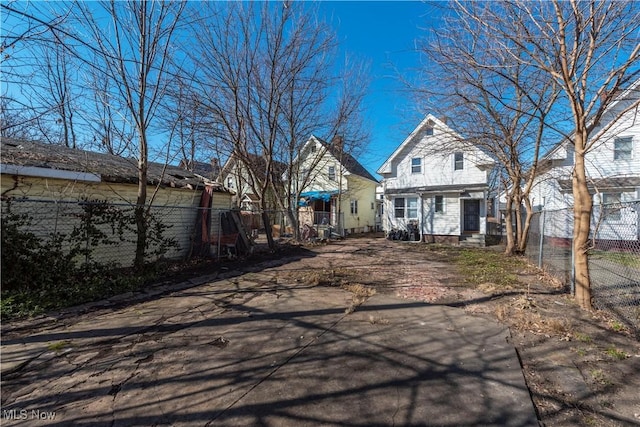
377,320
520,313
339,277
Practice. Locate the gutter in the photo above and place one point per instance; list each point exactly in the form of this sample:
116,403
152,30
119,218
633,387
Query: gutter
49,173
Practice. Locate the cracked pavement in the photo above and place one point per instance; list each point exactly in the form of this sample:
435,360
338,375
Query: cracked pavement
255,349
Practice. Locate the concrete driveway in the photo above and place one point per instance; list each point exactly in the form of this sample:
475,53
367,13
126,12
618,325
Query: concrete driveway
252,349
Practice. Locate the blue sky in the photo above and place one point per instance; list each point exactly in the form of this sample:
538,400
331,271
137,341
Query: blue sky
384,32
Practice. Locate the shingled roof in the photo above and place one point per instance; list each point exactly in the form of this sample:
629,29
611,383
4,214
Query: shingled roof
347,160
109,167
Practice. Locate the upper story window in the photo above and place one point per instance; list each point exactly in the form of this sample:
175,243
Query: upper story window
622,148
332,173
429,131
313,148
458,161
354,207
229,182
416,165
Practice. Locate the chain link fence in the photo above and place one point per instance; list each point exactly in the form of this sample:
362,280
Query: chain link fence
614,260
105,233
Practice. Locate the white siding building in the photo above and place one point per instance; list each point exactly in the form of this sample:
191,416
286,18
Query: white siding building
613,170
436,184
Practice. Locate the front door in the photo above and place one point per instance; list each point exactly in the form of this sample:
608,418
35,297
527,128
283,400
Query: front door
471,216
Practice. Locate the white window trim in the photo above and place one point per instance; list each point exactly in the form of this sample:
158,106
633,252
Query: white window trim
612,214
416,166
620,138
332,177
455,163
417,208
406,209
435,205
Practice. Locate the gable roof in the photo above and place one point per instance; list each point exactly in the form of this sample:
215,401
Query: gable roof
25,157
349,162
429,121
559,150
255,160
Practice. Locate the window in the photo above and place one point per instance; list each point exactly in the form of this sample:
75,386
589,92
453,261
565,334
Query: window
373,206
354,207
611,206
491,203
332,173
458,161
439,204
313,148
416,165
412,207
429,131
408,206
229,182
398,204
622,148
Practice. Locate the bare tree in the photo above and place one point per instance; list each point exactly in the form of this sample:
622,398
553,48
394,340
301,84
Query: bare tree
37,66
134,58
500,104
590,50
14,123
53,63
269,66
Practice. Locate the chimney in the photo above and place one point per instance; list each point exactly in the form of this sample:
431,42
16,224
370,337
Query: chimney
338,142
215,168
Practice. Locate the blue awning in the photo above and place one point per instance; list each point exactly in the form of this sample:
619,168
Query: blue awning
309,196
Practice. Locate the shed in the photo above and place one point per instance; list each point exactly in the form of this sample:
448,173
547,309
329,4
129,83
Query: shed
52,183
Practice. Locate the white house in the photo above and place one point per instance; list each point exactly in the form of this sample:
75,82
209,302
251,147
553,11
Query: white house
236,176
613,171
437,183
335,189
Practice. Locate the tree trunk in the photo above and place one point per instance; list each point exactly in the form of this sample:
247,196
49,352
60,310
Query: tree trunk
508,224
295,223
582,206
266,221
524,240
140,214
518,211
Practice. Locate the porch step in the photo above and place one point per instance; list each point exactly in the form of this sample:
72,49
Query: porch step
473,241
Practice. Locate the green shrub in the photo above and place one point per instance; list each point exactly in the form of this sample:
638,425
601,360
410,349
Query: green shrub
55,271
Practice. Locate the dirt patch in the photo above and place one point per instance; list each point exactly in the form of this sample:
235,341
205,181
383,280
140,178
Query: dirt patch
582,368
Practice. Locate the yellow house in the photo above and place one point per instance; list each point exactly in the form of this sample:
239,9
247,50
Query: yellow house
335,189
52,184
